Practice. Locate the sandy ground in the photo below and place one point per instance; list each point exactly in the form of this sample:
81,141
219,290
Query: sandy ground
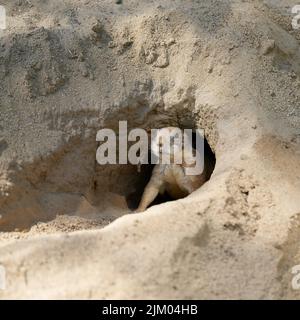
61,224
69,68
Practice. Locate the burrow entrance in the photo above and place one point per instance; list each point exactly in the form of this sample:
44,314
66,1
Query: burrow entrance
126,180
71,183
133,199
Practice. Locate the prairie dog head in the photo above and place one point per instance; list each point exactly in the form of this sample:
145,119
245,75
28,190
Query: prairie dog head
169,142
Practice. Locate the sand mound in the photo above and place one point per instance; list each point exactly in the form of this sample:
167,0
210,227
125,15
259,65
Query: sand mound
68,69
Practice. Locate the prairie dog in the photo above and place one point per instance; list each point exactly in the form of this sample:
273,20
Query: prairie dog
170,178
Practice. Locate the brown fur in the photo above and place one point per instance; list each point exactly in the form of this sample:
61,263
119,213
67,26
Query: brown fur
170,178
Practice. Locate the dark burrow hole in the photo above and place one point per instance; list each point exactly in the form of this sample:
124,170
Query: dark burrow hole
133,199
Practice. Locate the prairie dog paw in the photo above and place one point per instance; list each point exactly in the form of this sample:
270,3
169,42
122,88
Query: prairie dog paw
138,210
